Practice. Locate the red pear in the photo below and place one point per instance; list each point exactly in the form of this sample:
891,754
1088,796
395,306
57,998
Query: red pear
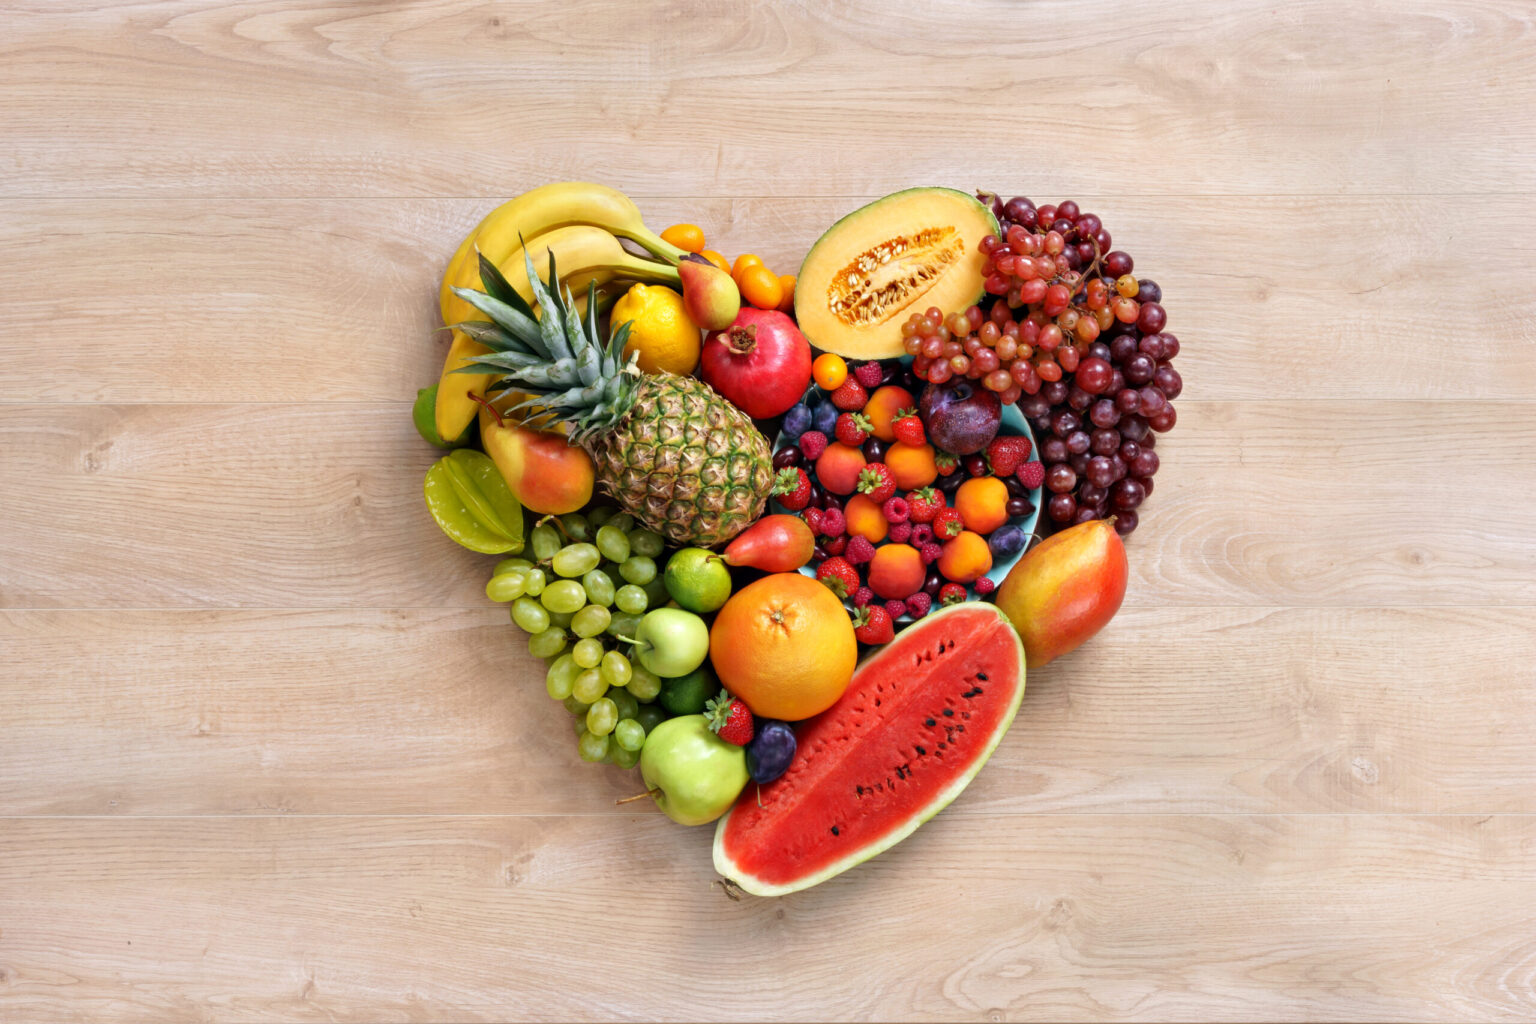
774,544
1065,590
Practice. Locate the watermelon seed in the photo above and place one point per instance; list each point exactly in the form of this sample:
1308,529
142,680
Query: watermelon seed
834,830
921,751
930,723
949,712
982,676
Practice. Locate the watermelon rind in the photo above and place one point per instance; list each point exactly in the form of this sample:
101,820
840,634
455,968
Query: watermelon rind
729,869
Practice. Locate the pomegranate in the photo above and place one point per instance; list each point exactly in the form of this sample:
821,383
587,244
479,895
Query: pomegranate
761,363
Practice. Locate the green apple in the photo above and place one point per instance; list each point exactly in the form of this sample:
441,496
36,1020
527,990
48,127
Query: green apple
671,642
693,775
697,579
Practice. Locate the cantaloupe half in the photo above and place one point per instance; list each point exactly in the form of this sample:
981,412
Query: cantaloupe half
875,267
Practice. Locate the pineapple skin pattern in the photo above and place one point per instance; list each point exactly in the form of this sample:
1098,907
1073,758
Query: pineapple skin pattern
685,462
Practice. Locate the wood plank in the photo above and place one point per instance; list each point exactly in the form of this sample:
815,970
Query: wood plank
442,712
153,506
1050,918
441,98
335,300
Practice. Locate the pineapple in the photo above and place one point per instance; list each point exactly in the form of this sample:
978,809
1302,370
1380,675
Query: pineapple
670,450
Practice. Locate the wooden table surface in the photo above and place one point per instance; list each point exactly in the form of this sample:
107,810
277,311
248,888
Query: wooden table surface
267,753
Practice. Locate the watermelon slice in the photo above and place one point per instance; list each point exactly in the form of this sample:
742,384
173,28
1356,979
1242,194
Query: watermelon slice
919,719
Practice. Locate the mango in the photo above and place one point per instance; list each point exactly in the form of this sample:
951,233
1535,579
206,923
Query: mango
547,473
1065,590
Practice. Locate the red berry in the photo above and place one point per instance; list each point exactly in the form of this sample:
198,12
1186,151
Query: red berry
850,396
835,545
1031,474
862,597
896,510
946,463
859,550
896,609
853,428
947,524
922,504
869,374
812,444
836,573
908,428
983,585
730,719
877,482
1006,454
899,533
951,593
792,488
872,625
833,522
922,533
919,604
930,553
812,517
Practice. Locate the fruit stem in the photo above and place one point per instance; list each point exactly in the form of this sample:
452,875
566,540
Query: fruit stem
488,408
639,796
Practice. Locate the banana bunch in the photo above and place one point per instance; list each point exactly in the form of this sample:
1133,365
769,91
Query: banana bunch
581,224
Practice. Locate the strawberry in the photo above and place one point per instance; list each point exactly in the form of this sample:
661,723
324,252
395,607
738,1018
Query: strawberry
1031,474
877,482
730,719
908,428
836,545
922,504
793,488
812,444
896,609
833,523
919,604
947,524
951,593
983,585
812,517
946,462
1006,454
850,396
922,534
859,550
836,573
862,597
930,553
853,428
896,510
900,533
872,625
869,374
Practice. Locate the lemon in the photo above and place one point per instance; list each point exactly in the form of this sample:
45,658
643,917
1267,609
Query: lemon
662,332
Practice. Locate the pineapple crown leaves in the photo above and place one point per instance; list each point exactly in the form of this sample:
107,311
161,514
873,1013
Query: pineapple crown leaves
555,355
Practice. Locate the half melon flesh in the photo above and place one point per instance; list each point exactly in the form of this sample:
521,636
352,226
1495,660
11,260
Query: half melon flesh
875,267
915,725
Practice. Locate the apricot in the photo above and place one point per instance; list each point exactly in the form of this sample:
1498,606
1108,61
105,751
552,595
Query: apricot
982,503
897,571
965,557
912,465
865,519
883,406
838,468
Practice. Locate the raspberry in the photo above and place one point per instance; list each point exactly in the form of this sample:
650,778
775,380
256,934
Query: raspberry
859,550
900,533
922,534
1006,454
919,604
896,608
930,553
833,523
812,444
869,375
850,396
983,585
896,510
862,597
1031,474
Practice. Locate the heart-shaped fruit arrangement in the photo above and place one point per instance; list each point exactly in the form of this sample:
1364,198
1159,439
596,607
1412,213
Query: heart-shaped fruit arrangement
714,642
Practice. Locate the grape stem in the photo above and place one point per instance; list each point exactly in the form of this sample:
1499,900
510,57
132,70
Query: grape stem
639,796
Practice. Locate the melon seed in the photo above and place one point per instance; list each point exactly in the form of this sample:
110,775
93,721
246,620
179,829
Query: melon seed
881,282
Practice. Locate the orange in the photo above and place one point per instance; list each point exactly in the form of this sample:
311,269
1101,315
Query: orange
784,644
688,237
830,371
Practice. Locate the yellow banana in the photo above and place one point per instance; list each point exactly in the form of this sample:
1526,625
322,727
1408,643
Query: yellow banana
500,237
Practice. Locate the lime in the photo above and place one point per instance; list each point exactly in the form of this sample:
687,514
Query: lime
698,580
686,695
424,415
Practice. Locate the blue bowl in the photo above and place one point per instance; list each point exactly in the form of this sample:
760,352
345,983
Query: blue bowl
1012,423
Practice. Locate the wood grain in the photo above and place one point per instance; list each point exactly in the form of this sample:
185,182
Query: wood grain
335,300
1269,918
267,752
441,712
771,99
